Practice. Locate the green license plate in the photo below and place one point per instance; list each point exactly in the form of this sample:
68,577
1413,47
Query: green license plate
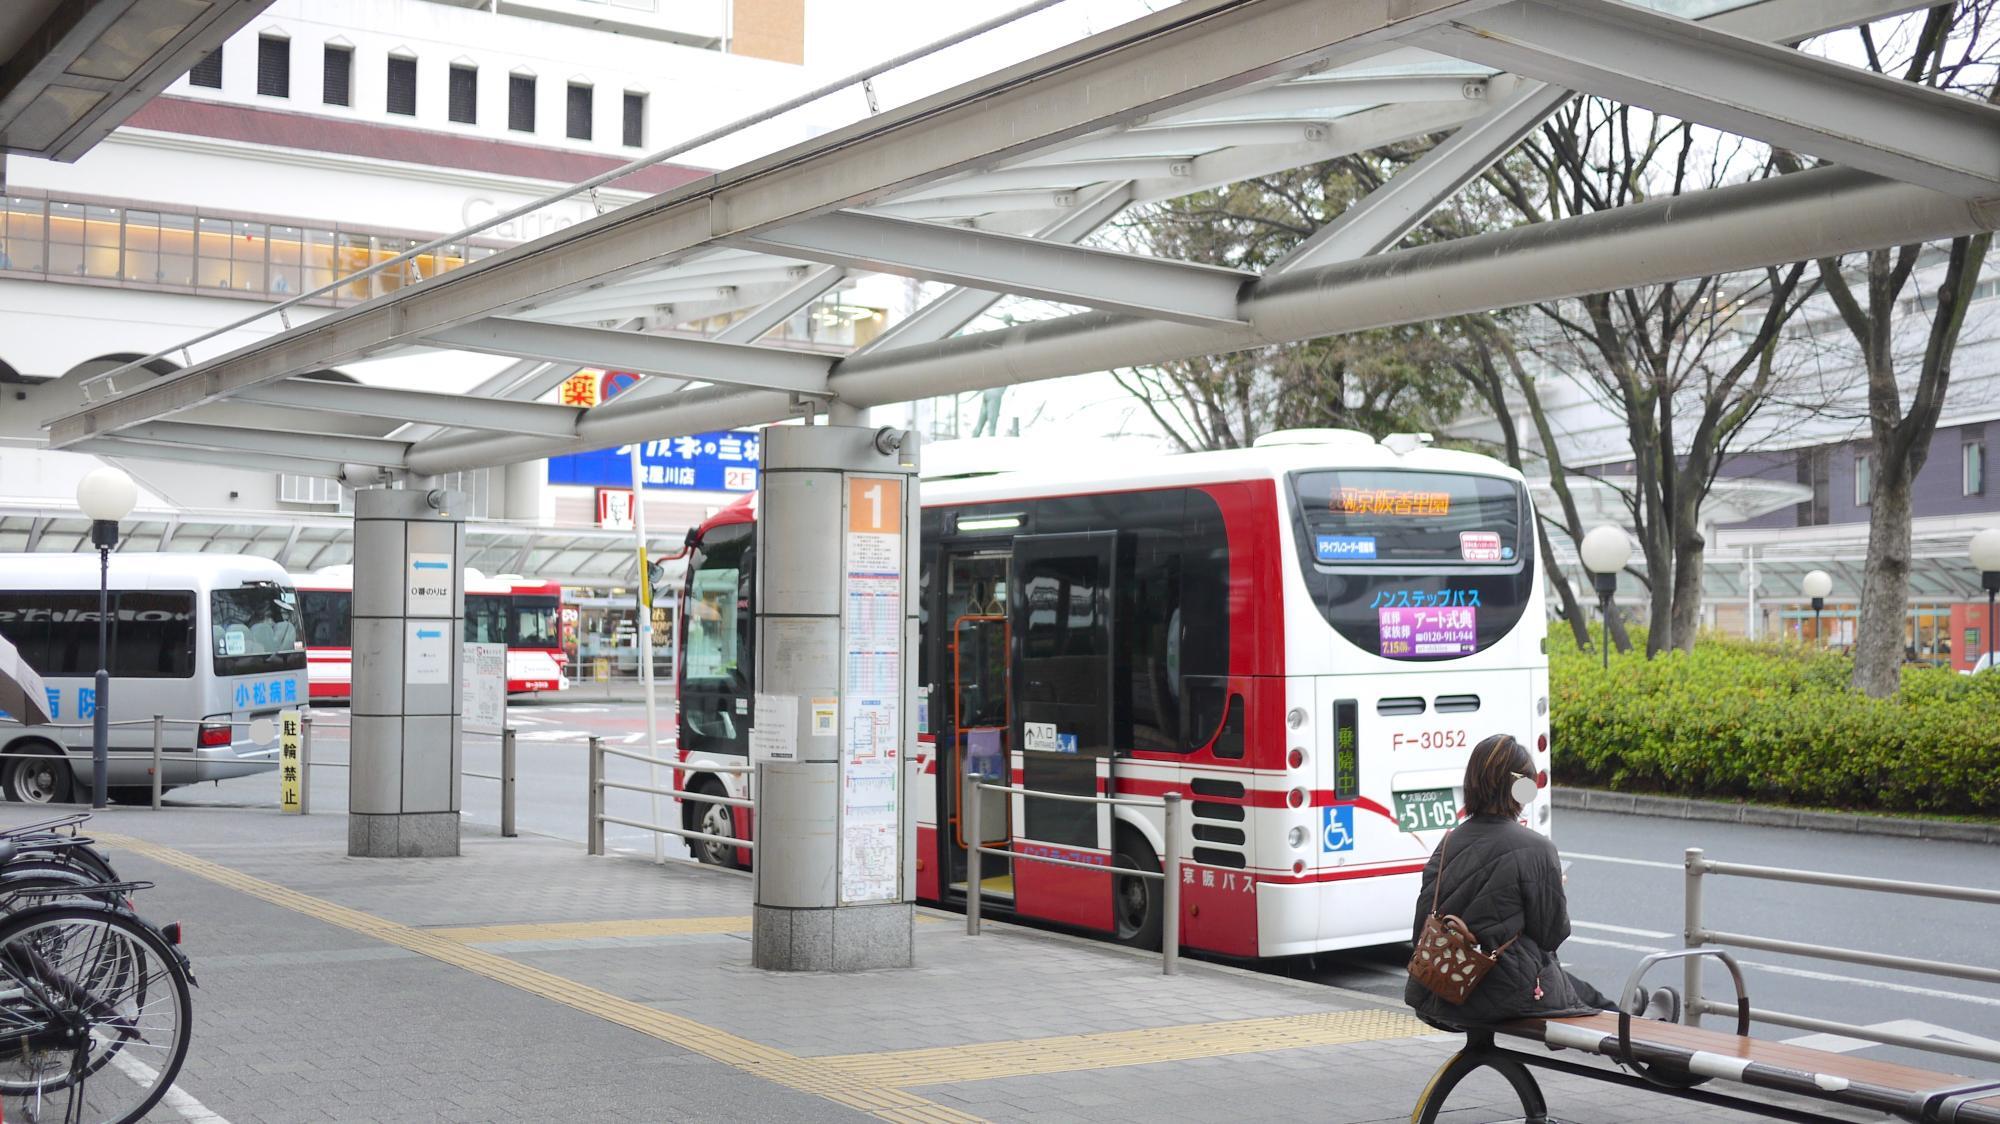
1426,809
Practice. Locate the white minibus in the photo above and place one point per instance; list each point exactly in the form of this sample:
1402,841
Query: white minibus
209,641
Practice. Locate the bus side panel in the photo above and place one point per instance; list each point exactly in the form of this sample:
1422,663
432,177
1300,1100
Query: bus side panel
1219,910
1063,894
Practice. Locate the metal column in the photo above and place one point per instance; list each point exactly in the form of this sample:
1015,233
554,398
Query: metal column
836,564
409,600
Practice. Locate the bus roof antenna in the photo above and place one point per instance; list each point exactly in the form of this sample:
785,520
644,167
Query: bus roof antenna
1403,444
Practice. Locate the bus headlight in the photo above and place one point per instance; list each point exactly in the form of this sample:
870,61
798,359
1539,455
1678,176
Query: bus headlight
1297,836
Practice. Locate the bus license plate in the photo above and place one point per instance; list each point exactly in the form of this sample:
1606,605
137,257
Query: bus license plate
1427,809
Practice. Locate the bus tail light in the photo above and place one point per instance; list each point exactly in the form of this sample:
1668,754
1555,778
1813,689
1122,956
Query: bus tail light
1542,743
1297,836
1298,866
1297,757
1542,779
1296,798
213,735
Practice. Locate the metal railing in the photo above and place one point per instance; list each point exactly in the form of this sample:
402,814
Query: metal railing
159,723
1168,874
1696,935
505,777
594,829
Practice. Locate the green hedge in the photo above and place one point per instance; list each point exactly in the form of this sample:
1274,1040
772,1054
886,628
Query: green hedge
1774,723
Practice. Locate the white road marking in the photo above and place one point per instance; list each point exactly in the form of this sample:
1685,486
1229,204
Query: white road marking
553,736
1623,861
1916,1028
1808,974
1653,933
176,1099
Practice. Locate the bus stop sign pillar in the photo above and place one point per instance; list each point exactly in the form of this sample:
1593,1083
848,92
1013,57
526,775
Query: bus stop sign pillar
409,601
834,721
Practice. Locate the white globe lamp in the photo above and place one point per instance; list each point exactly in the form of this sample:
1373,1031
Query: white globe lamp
1604,551
1986,556
106,495
1816,585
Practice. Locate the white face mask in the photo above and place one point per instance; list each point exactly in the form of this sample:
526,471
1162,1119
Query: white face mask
1524,790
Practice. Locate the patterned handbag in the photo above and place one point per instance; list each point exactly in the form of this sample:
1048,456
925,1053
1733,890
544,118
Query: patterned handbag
1448,960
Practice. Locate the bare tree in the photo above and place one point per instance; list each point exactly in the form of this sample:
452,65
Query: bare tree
1952,47
1684,366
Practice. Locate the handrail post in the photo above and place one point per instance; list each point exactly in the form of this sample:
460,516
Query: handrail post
159,761
507,783
1691,937
595,829
968,815
306,758
1170,900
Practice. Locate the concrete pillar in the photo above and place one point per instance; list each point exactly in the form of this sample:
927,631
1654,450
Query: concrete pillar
409,601
836,604
524,485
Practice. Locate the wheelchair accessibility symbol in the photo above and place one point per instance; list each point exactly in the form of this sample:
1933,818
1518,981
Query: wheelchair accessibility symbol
1337,828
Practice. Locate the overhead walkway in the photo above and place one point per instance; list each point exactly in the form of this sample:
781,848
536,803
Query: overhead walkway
999,186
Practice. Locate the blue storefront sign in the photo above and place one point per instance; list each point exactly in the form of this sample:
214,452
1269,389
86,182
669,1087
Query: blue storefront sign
723,461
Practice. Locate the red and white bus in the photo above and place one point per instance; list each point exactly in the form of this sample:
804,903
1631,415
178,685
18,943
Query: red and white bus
518,612
1305,639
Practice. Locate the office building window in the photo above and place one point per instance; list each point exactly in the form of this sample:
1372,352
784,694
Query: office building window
337,79
579,112
635,120
521,103
274,66
208,72
1864,478
403,86
1974,460
465,95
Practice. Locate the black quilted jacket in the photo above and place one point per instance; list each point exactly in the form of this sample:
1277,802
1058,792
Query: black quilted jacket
1504,881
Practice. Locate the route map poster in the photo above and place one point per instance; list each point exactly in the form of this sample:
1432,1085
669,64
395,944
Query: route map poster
871,725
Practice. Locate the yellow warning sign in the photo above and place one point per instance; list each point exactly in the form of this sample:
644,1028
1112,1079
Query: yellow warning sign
289,734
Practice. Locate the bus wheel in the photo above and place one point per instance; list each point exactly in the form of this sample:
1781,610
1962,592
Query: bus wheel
41,776
712,819
1136,901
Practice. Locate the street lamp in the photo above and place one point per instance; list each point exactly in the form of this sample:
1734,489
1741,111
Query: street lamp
1986,556
106,495
1817,585
1605,550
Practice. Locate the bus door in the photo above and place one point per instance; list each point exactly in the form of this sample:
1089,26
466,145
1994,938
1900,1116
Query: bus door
1061,612
975,736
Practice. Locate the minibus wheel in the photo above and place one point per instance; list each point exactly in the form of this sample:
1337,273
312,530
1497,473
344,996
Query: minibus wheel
36,773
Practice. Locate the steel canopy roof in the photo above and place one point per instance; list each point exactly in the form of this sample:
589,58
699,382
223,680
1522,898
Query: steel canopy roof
993,186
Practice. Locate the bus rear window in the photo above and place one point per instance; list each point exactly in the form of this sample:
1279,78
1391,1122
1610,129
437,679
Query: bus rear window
1379,517
1413,565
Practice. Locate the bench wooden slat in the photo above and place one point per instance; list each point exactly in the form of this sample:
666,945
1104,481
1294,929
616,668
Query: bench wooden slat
1884,1075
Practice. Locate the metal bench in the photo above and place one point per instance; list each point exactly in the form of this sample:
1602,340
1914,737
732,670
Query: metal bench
1676,1060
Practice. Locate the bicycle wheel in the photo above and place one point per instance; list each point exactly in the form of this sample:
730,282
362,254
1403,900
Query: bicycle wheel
94,1015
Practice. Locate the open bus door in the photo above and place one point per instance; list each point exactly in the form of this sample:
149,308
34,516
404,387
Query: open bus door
975,737
1061,613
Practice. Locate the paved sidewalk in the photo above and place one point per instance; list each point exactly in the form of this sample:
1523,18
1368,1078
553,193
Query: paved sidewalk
526,981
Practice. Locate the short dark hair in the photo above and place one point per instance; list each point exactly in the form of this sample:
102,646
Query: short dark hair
1490,773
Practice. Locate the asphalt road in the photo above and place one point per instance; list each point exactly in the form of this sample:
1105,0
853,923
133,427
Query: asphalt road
1626,897
1625,888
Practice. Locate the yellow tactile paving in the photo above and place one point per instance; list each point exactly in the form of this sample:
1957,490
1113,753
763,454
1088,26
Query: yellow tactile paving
986,1061
593,930
588,930
804,1074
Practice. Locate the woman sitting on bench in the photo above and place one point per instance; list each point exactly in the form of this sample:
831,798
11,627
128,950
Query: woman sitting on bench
1506,882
